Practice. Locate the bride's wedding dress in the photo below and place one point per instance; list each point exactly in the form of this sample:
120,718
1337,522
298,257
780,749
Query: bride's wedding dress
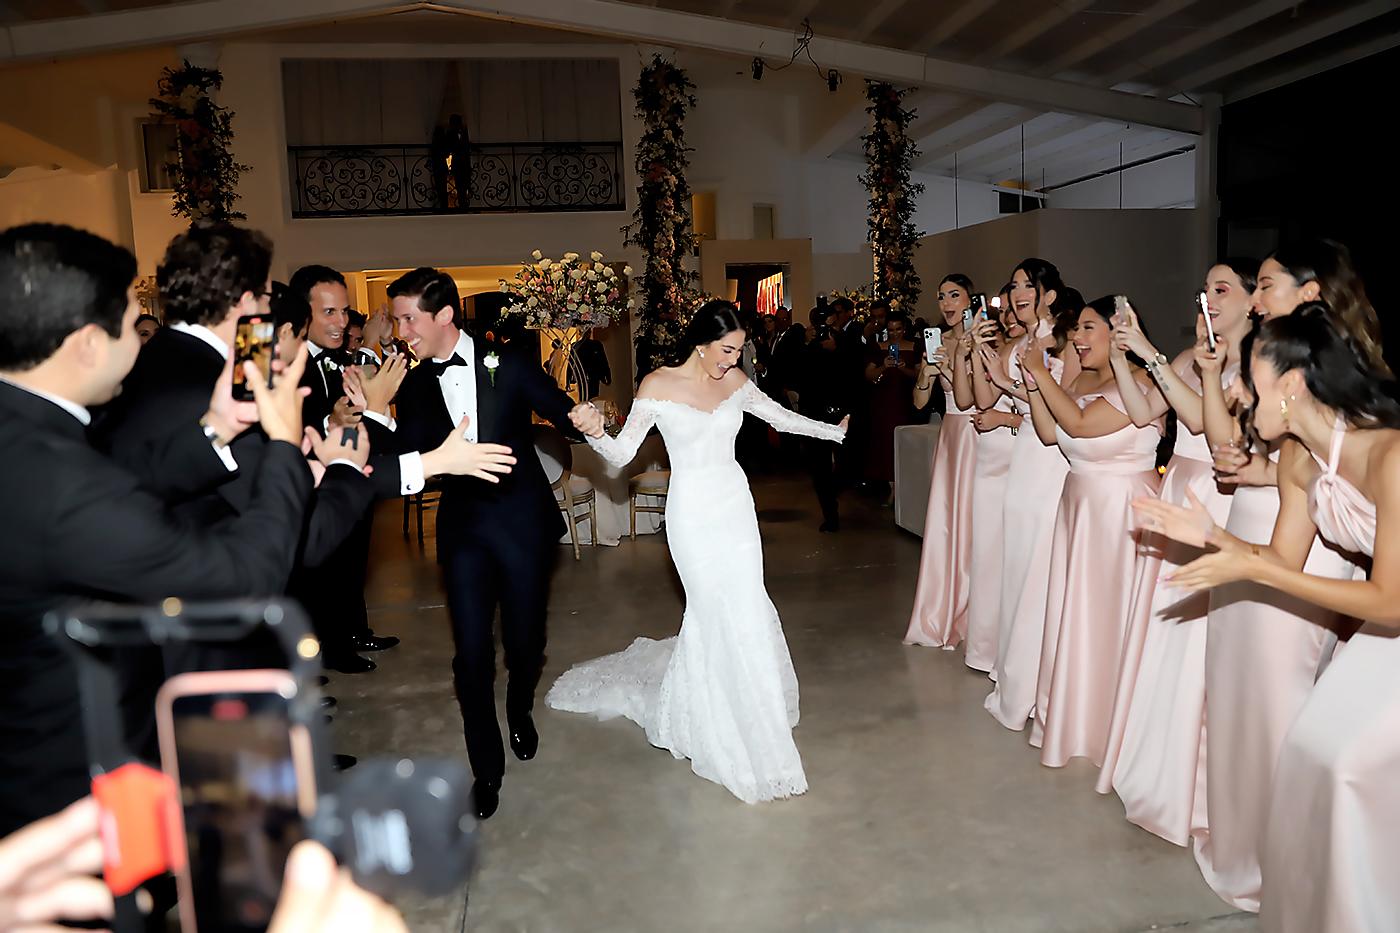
722,692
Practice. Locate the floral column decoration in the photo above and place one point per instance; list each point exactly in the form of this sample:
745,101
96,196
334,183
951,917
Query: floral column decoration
204,171
661,222
892,235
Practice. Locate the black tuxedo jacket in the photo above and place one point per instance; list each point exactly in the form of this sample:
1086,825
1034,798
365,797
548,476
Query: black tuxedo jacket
169,388
325,392
77,526
522,502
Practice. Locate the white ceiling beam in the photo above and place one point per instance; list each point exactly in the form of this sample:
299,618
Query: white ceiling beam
1114,35
210,18
1208,34
728,7
877,18
1340,21
1314,66
1055,14
1040,147
953,23
921,130
975,136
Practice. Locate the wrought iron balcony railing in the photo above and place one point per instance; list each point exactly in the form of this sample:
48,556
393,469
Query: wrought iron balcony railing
363,181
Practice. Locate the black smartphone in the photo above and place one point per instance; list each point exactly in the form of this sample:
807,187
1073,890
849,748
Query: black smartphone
256,340
246,780
979,306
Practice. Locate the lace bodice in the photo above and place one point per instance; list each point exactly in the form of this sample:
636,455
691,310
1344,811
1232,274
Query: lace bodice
695,438
1343,515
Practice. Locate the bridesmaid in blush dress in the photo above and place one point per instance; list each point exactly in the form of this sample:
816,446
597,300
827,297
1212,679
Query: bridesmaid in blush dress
1264,649
997,427
1096,566
1330,849
1043,303
939,618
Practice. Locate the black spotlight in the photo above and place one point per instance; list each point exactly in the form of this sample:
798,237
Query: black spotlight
757,69
833,78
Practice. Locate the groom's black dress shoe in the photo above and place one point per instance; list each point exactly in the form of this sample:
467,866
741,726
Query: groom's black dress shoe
347,662
373,642
524,740
486,797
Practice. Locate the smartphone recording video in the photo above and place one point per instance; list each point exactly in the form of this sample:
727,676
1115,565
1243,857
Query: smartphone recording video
245,774
979,305
1210,327
256,340
933,342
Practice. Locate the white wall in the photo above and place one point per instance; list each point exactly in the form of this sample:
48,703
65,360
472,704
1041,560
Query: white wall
1167,182
95,201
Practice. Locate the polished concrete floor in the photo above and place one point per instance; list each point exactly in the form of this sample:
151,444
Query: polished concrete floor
923,815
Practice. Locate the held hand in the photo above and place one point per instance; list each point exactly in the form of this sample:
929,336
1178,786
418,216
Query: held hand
345,414
588,419
47,868
227,416
1191,525
379,329
279,409
460,457
341,443
379,390
319,897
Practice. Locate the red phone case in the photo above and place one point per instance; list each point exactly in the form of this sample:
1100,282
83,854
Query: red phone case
138,839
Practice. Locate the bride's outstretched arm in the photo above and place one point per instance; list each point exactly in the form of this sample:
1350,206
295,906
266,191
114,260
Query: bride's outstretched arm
757,403
619,450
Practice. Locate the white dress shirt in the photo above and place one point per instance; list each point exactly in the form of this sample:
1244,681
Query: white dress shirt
458,385
73,408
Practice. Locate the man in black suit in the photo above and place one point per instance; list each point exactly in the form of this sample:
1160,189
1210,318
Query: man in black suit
210,276
497,542
77,526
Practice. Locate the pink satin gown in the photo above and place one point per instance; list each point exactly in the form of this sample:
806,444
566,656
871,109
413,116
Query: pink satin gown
1156,744
1097,573
989,490
1033,486
1263,654
939,619
1332,843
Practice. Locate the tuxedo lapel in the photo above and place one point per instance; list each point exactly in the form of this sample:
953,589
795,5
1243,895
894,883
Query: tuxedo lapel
488,399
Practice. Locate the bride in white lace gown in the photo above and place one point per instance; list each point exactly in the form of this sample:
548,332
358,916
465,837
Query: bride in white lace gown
722,692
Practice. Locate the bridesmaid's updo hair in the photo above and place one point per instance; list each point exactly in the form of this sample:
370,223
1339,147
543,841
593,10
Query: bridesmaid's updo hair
1335,367
713,320
958,279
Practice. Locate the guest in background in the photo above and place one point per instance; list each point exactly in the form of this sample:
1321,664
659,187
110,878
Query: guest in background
1097,571
890,372
823,394
876,317
1042,303
324,289
592,358
1264,650
850,365
785,362
146,327
996,428
1154,759
354,333
939,617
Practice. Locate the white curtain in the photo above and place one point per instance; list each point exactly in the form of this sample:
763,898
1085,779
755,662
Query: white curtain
375,102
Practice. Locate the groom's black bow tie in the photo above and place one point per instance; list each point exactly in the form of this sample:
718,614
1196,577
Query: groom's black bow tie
437,368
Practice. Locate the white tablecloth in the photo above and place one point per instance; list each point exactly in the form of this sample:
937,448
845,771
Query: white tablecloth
611,485
913,472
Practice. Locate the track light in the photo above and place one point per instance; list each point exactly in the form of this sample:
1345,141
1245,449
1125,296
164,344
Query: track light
833,78
757,69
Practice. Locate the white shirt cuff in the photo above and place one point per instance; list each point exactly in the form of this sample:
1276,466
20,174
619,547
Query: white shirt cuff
411,476
378,418
226,455
350,463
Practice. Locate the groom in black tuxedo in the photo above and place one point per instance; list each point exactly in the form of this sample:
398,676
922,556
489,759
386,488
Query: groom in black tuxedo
497,542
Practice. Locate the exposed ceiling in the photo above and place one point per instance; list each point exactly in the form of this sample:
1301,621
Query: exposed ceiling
1044,91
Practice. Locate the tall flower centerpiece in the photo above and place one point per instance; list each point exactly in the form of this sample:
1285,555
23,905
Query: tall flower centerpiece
203,169
889,151
566,298
661,223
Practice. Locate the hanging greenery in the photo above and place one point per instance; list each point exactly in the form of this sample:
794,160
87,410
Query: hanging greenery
892,235
661,223
203,168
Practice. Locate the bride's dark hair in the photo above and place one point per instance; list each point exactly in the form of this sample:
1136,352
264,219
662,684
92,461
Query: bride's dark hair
714,319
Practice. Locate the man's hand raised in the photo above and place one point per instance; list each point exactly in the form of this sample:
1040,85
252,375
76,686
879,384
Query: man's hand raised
460,457
279,408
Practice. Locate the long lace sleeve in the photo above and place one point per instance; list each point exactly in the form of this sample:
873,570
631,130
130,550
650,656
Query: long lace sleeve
620,450
756,403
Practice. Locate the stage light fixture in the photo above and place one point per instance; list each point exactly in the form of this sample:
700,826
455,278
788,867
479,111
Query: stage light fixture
757,69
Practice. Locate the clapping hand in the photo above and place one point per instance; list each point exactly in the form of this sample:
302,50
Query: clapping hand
1236,467
47,868
374,393
588,419
1190,524
378,330
992,364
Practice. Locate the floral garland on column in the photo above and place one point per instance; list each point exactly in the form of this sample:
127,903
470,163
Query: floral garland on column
203,170
661,223
892,235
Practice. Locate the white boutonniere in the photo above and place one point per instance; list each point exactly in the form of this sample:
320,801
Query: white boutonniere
491,362
328,364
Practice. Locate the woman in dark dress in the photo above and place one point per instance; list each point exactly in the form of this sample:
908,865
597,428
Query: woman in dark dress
891,370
